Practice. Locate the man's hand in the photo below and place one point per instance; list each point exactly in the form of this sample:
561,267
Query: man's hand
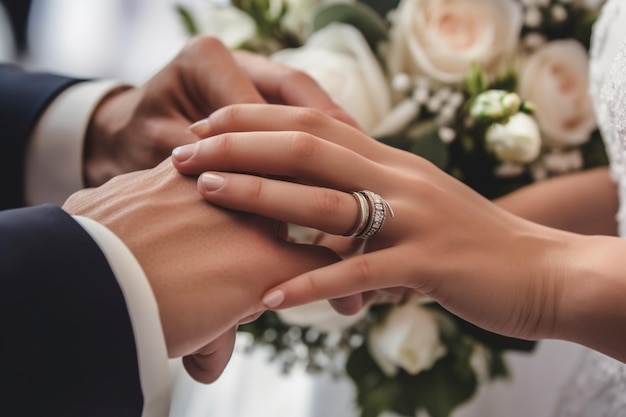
208,267
136,128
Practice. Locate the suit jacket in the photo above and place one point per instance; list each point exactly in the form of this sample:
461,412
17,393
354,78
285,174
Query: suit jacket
66,342
23,98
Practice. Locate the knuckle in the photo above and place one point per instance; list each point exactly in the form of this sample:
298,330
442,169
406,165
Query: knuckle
223,144
203,44
255,188
293,77
229,115
196,48
311,283
361,273
303,145
310,117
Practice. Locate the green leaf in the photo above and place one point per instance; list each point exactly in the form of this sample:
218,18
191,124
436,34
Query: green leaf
476,81
371,24
382,7
188,20
594,153
450,383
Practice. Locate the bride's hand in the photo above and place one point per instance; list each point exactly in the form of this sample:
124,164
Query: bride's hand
445,241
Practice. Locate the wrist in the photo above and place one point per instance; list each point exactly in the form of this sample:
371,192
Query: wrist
109,117
592,310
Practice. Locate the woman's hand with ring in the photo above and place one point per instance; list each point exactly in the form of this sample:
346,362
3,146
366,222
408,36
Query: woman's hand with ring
300,166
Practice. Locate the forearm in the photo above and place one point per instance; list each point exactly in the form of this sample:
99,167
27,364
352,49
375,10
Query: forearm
584,202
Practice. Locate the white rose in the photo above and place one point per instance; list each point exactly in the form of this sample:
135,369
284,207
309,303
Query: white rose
518,140
319,315
407,338
340,60
555,79
227,23
442,38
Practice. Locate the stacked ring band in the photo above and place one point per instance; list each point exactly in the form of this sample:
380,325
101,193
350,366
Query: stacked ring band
372,216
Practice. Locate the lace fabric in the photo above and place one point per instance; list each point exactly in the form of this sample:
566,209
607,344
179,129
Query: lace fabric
598,388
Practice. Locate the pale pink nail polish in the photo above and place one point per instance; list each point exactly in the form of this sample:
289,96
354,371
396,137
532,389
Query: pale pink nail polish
201,128
211,182
274,299
185,152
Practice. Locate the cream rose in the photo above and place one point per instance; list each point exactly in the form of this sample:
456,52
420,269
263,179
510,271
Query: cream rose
340,60
319,315
518,140
407,338
555,79
442,38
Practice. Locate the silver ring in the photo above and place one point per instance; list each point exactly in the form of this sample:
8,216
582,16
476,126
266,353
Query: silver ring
364,214
373,214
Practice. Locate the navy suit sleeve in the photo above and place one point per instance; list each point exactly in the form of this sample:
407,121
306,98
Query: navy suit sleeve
66,342
23,98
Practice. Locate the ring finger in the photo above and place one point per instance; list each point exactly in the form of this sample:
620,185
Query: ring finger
321,208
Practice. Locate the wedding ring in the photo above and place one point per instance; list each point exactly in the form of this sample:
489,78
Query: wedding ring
373,213
364,214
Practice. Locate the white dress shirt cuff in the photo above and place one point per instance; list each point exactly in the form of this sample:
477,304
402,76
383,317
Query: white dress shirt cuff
54,157
154,372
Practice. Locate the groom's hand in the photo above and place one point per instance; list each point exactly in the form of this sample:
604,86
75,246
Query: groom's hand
136,128
208,267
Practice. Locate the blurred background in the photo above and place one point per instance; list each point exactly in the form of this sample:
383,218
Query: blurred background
125,39
130,40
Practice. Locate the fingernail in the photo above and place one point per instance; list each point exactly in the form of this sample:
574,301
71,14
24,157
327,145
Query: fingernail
201,128
211,182
183,153
273,299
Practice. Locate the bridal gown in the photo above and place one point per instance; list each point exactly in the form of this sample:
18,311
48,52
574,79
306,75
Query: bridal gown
598,388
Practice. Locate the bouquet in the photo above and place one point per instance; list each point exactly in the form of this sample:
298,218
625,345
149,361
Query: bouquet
492,91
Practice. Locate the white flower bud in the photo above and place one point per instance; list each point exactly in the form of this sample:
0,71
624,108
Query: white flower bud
446,134
495,105
534,40
401,82
517,141
421,94
559,13
532,17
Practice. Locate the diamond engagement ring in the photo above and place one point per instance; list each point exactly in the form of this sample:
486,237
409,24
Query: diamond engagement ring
372,214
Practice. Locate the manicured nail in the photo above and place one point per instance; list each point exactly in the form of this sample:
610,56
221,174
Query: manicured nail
274,299
211,182
201,128
183,153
